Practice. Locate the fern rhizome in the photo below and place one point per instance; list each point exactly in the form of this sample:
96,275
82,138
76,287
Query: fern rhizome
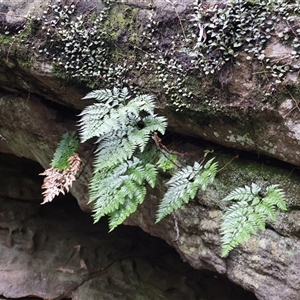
128,157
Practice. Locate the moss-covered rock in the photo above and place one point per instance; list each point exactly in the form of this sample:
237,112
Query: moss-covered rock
216,72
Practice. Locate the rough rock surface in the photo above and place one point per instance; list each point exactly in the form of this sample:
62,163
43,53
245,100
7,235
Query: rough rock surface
55,252
267,260
36,107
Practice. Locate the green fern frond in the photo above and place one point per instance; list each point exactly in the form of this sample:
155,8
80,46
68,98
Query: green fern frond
65,149
249,214
150,174
235,229
129,206
208,175
114,113
266,210
120,146
243,193
123,128
111,114
276,195
113,150
137,174
106,182
125,113
107,95
184,185
112,187
91,119
155,123
146,103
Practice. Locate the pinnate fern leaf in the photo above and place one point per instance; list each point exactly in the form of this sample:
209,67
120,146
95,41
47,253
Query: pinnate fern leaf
107,95
146,103
208,174
249,214
166,161
116,147
155,123
116,111
119,215
243,193
234,225
275,196
65,149
123,126
184,185
112,188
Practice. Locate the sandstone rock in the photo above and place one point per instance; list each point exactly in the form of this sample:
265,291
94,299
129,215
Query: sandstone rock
55,252
239,108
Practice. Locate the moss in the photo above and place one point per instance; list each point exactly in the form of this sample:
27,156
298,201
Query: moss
121,25
26,62
13,45
241,172
6,40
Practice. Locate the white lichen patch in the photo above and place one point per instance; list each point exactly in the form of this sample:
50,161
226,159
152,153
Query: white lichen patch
294,129
243,140
277,50
285,107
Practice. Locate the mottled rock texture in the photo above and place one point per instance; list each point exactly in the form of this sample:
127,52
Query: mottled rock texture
38,103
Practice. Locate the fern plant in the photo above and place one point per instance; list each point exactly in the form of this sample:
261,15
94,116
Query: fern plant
64,167
124,162
249,213
117,191
123,126
65,149
184,185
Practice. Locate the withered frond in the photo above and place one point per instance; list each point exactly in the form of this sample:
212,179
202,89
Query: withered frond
59,181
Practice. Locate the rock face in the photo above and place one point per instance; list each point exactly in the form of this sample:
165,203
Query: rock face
269,259
246,101
55,252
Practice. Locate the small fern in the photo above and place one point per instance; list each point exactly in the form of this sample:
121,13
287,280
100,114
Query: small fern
184,185
65,149
166,162
249,214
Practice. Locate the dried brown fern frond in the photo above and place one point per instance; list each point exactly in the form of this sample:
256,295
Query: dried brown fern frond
60,181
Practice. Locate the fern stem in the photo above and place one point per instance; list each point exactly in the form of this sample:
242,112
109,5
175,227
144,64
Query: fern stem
228,163
161,147
288,175
170,159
